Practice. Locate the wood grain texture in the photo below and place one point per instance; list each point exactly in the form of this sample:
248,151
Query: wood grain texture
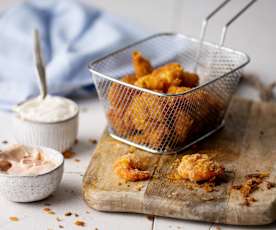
246,144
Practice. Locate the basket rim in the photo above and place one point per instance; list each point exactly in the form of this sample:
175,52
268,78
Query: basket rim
214,45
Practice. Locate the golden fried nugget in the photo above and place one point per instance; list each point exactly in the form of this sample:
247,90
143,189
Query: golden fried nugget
130,167
116,92
145,109
153,136
140,64
162,78
121,123
199,167
177,89
183,124
190,79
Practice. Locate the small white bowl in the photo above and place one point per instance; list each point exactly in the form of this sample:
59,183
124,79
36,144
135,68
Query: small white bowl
33,188
60,135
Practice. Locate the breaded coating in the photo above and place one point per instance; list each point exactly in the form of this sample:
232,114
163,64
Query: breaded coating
140,64
162,78
116,92
130,167
153,136
145,109
190,79
177,89
120,122
183,123
199,167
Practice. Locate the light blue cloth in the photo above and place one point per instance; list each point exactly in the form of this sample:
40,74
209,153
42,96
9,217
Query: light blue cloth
72,34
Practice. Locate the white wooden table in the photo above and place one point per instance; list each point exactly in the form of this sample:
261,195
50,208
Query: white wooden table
254,33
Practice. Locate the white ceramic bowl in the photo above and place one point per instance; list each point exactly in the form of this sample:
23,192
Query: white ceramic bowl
60,135
33,188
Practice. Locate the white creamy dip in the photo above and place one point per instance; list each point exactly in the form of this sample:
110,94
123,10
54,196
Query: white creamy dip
51,109
20,160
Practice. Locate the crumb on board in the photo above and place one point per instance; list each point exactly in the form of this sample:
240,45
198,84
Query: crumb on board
68,154
47,204
93,141
46,209
139,187
252,183
13,218
77,160
5,142
150,217
68,214
76,215
60,226
79,223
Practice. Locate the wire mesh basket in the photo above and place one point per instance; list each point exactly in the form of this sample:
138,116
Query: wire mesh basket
164,123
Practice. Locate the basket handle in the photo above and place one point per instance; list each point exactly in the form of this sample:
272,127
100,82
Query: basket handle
234,18
224,29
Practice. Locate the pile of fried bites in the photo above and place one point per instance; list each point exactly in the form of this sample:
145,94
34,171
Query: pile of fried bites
161,121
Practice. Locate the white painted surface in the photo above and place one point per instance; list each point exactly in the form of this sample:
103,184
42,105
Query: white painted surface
254,33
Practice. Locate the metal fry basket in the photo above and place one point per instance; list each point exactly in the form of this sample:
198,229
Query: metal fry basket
164,123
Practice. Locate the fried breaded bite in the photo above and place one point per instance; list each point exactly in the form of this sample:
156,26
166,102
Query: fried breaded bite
121,123
116,92
190,79
199,167
145,109
183,123
130,167
153,136
140,64
162,78
177,89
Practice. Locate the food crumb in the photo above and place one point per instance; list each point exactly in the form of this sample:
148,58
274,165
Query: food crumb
60,226
77,160
150,217
131,149
46,209
58,219
139,187
68,154
13,218
68,214
93,141
80,223
5,142
76,215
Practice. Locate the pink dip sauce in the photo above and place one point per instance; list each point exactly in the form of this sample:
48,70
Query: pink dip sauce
20,160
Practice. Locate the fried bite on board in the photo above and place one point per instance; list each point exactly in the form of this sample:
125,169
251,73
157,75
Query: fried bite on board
140,64
199,167
130,167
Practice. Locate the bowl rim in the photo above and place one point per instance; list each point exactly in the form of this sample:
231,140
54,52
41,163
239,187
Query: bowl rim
18,117
44,149
214,45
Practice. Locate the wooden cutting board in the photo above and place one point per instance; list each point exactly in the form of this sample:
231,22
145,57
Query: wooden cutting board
247,143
